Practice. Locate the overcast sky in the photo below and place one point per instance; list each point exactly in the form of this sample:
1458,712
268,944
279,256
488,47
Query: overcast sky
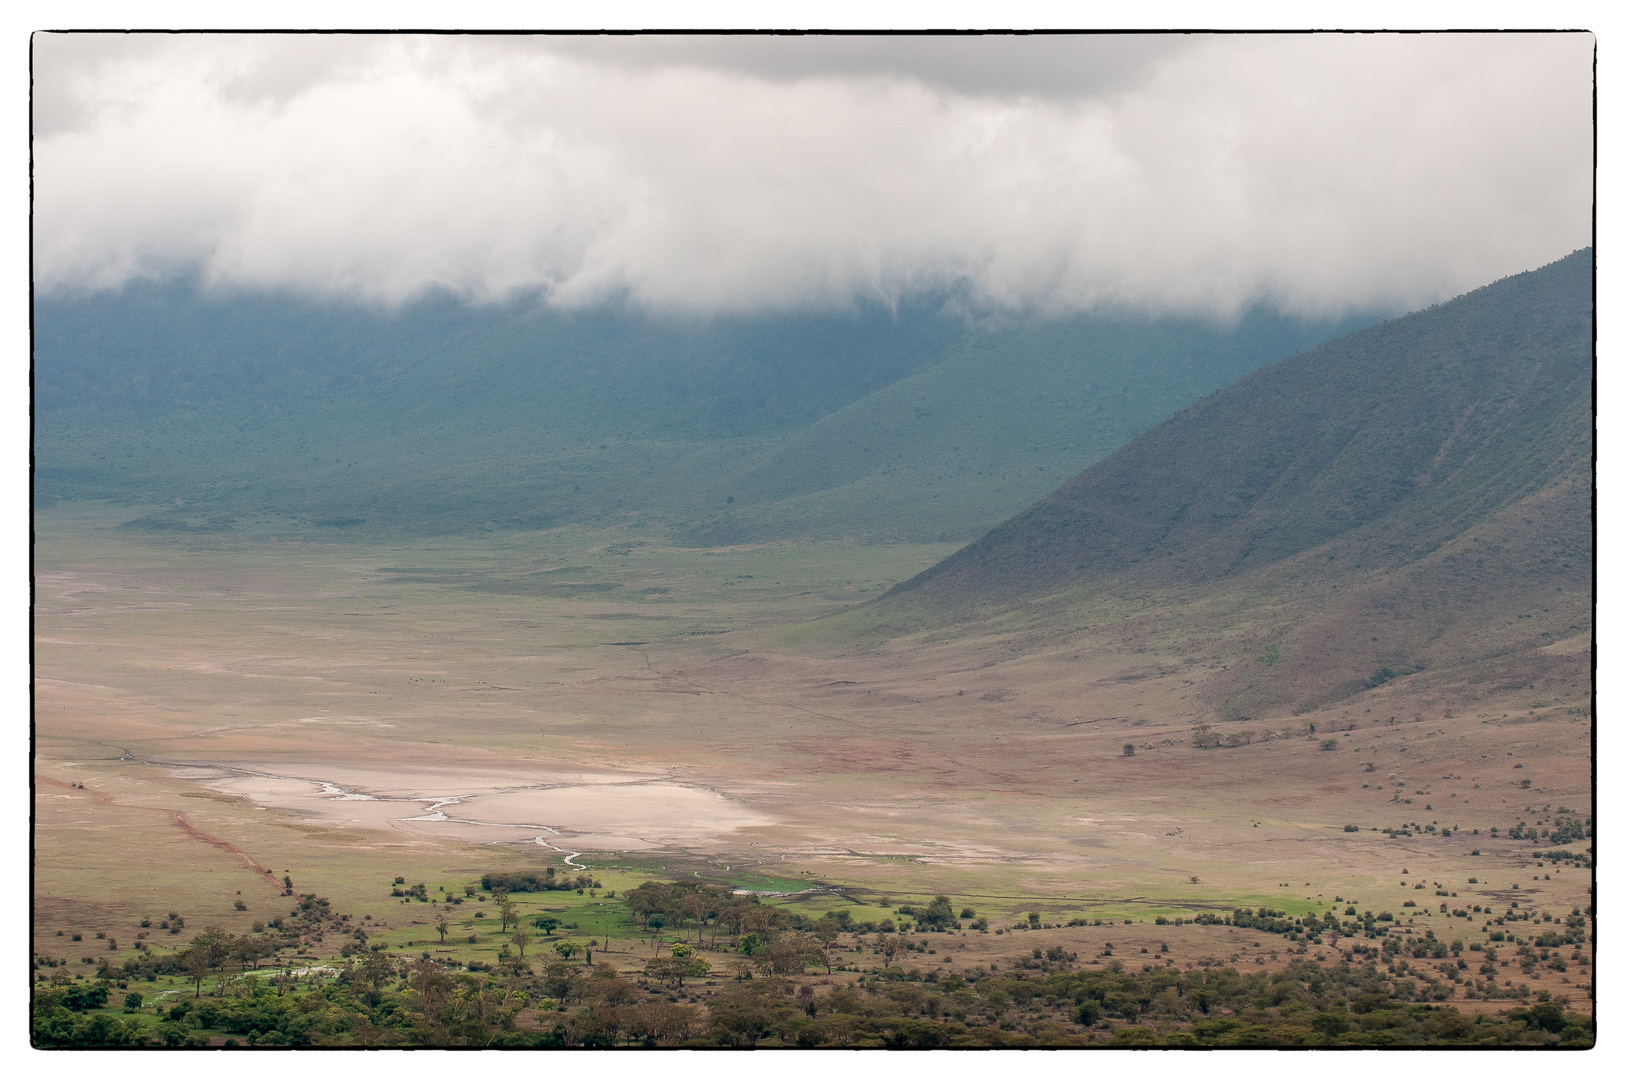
1170,174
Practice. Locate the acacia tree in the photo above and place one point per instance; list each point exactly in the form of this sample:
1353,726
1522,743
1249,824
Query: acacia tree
209,950
374,972
520,938
433,991
746,1012
247,951
659,1023
789,954
196,963
700,903
683,964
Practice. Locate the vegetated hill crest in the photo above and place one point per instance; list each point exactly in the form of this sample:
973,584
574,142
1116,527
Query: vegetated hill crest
1401,490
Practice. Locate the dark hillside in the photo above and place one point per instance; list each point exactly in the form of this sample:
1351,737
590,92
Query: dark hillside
1396,439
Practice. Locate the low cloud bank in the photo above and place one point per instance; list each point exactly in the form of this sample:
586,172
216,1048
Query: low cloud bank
1317,175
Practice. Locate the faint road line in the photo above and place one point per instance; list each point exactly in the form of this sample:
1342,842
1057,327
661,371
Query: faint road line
180,821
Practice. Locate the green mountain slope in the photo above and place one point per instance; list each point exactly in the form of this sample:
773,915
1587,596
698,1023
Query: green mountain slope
1415,496
1405,434
276,413
957,445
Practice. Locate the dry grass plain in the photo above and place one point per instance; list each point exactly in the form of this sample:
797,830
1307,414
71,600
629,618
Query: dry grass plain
345,713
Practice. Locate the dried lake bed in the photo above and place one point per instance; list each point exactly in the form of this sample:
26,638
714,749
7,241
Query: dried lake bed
570,812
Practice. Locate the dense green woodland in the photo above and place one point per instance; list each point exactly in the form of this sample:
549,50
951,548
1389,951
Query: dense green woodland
1307,1004
743,986
283,414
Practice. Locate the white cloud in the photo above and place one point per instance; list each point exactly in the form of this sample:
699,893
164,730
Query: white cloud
1318,174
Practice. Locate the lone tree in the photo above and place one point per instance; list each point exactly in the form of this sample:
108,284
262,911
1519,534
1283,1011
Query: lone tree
545,923
1129,749
209,950
521,938
197,965
938,915
566,949
505,908
441,926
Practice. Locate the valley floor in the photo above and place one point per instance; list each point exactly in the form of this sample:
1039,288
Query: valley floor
214,714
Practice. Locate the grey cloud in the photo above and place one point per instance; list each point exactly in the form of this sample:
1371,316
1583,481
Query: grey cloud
72,70
61,63
1045,64
1317,174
